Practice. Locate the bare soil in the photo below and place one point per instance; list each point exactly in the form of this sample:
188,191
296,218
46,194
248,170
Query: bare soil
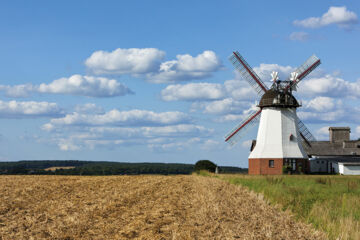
139,207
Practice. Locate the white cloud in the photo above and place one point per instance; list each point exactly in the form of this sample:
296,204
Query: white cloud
124,118
357,131
85,86
159,137
329,85
174,146
230,118
323,133
244,113
66,145
236,89
299,36
15,109
326,110
335,15
240,90
316,117
147,63
227,105
321,104
23,90
264,71
88,108
75,85
246,144
186,67
125,61
193,91
212,145
175,131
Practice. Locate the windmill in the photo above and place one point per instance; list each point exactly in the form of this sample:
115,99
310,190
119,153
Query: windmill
281,133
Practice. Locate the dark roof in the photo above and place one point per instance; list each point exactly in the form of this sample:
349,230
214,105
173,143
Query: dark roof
344,159
274,98
326,148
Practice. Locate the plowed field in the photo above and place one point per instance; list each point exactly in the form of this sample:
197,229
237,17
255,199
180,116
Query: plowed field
139,207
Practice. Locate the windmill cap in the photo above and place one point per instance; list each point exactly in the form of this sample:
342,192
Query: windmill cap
274,98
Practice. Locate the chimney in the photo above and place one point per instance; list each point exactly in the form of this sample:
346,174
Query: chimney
339,134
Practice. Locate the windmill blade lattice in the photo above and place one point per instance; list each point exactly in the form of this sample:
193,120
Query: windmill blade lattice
235,135
248,73
305,133
305,69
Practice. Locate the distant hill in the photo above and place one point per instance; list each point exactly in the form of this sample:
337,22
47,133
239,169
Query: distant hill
75,167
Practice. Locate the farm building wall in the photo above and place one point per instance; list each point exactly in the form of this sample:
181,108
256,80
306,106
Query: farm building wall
319,166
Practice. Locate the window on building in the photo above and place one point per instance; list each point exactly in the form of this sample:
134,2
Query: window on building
271,163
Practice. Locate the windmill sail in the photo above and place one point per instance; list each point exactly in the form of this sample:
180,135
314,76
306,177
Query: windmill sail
248,73
305,133
234,136
305,69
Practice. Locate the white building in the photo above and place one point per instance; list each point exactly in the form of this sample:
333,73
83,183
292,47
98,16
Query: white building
338,155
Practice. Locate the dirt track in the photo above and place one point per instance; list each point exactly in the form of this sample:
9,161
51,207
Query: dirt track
140,207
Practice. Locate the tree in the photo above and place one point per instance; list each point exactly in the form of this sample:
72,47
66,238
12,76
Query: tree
205,165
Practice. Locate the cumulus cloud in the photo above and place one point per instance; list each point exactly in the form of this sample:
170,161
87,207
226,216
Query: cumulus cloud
174,146
125,61
328,110
238,115
175,131
329,85
322,104
264,71
124,118
323,133
74,85
157,137
224,106
186,67
239,89
148,63
88,108
357,130
193,91
31,109
335,15
299,36
85,86
23,90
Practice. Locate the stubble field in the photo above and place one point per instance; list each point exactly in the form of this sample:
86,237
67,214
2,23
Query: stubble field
139,207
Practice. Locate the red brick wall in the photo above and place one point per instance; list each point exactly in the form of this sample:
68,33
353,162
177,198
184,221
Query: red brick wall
261,166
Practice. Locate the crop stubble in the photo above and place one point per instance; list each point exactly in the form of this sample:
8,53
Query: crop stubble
139,207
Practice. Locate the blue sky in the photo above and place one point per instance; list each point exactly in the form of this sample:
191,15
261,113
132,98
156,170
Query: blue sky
150,81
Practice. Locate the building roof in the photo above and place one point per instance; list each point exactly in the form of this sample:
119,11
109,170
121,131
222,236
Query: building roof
339,128
343,159
327,148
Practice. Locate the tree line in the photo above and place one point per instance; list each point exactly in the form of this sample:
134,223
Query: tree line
101,168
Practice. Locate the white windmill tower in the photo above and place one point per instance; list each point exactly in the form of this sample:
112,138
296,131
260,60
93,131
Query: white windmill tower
281,132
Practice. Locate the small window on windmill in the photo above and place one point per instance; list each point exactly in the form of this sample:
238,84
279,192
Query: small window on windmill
292,137
271,163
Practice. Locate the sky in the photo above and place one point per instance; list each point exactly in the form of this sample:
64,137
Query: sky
150,81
